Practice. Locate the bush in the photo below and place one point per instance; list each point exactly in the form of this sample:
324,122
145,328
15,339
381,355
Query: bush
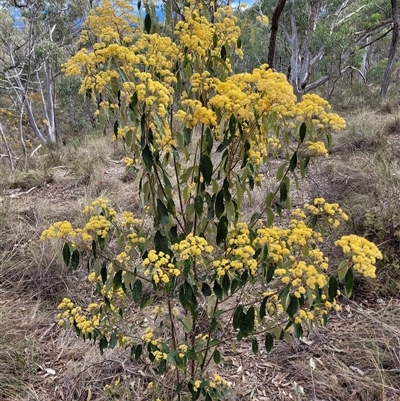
197,135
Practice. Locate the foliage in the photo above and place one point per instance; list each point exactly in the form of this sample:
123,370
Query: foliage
198,137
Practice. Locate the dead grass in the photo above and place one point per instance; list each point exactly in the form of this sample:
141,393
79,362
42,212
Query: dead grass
356,357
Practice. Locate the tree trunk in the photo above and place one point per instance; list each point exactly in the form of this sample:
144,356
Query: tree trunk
392,49
274,30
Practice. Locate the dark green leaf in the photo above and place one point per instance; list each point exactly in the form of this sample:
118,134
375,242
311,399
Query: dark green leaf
75,260
270,272
66,254
222,230
349,281
219,204
263,307
226,283
303,131
161,243
145,300
250,315
187,136
232,126
117,282
206,289
223,52
162,367
238,317
293,162
103,345
198,205
103,273
147,23
282,192
332,292
239,43
234,285
137,290
217,356
206,168
147,157
116,126
133,102
138,351
298,330
209,140
113,340
254,218
162,213
269,342
254,345
292,307
218,290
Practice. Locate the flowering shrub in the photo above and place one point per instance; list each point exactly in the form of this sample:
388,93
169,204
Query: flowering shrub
199,137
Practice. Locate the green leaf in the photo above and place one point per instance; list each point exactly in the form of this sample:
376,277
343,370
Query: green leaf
292,307
116,126
113,340
298,330
117,282
103,273
161,243
281,171
342,269
137,290
226,283
222,230
138,351
283,192
349,281
263,307
332,292
234,285
219,204
223,52
162,212
254,218
103,345
293,162
238,317
206,289
75,260
217,356
250,315
147,23
187,136
147,157
218,290
239,43
209,140
269,342
66,254
198,205
254,345
303,131
133,102
206,168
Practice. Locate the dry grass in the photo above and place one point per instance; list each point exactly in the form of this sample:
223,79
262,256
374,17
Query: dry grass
356,357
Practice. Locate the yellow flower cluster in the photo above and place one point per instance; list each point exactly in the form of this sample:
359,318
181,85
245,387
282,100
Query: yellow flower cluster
73,314
332,211
128,219
217,380
195,114
363,253
160,267
239,254
317,148
148,337
60,229
314,107
192,247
